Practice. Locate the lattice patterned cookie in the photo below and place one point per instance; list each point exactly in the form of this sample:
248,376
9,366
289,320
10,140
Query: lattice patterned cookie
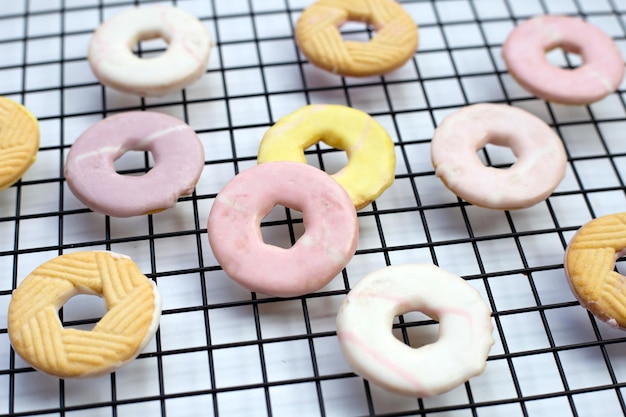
133,312
19,141
589,266
393,44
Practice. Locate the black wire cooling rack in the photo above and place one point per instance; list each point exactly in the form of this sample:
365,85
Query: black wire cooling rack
223,351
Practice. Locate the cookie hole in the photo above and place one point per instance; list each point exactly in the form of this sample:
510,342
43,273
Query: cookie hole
150,45
278,230
332,160
416,328
497,156
82,311
563,58
134,163
356,31
620,262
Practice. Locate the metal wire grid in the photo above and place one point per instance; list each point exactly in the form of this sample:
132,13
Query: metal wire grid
225,352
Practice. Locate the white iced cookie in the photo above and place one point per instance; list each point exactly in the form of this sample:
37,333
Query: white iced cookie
185,60
364,329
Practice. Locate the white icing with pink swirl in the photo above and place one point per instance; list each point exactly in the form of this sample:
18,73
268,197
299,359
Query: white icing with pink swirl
365,320
184,61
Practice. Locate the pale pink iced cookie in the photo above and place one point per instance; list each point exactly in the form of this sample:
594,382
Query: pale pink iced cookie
178,162
524,53
539,168
327,245
365,320
185,60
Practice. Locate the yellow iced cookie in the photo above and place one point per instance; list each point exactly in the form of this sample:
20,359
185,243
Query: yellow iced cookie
133,312
371,158
19,141
589,266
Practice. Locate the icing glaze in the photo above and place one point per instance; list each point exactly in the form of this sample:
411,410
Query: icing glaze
365,320
177,152
185,60
600,74
371,159
539,168
327,245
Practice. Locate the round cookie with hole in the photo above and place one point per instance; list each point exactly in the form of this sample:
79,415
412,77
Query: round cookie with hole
133,308
19,141
185,59
393,44
325,248
601,71
178,162
370,169
538,170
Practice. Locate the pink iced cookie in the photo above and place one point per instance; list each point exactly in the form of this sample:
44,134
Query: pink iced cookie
178,156
365,321
185,60
540,165
327,245
600,74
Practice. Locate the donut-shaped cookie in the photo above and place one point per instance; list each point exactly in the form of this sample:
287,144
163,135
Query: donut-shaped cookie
365,320
133,312
19,141
178,157
185,60
590,268
394,43
539,168
600,74
327,245
371,157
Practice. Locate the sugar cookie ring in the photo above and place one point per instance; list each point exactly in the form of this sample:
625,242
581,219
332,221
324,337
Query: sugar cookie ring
600,74
133,312
394,43
177,152
589,267
371,158
365,320
327,245
19,141
540,165
185,60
